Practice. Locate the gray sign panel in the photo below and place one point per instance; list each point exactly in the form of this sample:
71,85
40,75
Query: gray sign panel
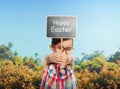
61,26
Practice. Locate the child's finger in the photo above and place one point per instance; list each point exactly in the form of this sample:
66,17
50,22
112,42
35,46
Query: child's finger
57,54
59,60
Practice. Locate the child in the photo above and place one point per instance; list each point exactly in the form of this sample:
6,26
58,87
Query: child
59,74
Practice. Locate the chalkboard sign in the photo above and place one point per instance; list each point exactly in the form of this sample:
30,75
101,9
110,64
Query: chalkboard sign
61,26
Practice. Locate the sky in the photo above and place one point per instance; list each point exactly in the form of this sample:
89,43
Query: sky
23,22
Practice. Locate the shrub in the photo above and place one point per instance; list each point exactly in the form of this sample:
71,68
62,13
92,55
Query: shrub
19,77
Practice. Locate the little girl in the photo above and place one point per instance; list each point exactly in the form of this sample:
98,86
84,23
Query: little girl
59,74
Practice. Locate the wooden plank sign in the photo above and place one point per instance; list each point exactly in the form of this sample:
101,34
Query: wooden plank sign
61,26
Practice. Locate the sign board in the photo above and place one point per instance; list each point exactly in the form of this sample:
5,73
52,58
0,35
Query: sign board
61,26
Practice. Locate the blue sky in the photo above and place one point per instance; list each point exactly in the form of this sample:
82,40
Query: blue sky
23,22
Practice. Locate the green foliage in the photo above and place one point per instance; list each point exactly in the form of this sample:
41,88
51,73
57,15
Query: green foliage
95,64
15,53
92,56
115,57
10,44
5,52
77,61
17,60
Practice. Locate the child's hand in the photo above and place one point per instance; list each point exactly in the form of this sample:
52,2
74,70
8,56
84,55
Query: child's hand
68,60
57,58
60,58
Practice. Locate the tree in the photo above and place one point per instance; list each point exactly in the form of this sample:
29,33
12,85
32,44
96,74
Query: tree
95,64
17,60
36,55
92,56
77,61
10,44
15,53
5,52
115,57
